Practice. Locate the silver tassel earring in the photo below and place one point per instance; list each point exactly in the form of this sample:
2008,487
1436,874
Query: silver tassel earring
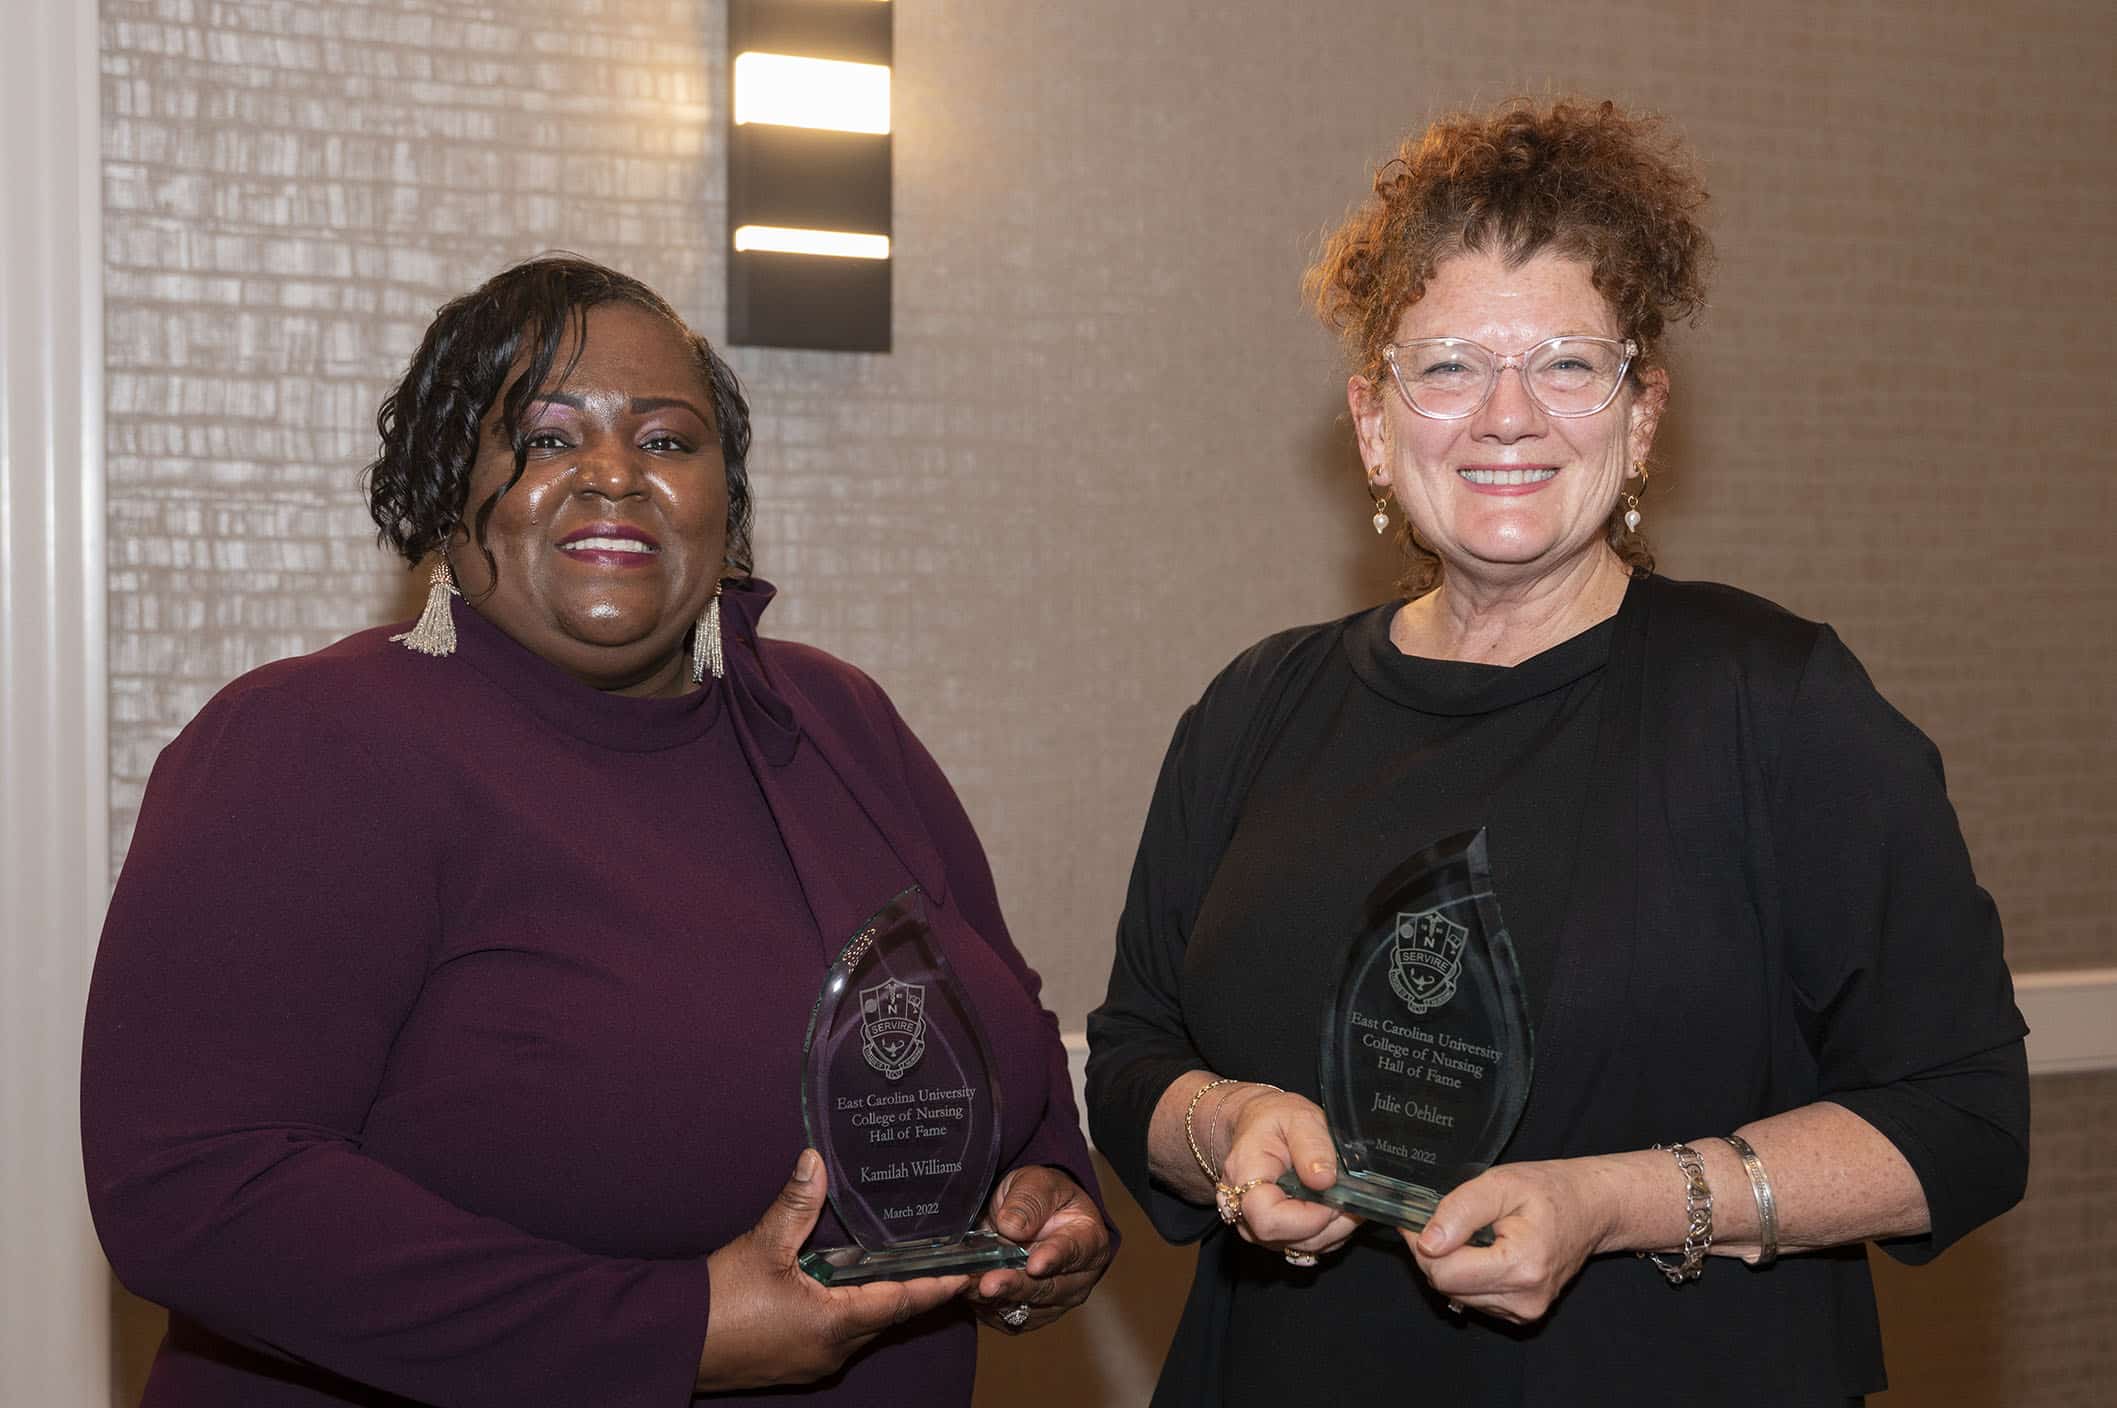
706,657
435,632
1631,500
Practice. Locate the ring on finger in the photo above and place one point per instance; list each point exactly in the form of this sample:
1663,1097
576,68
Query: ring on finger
1015,1317
1228,1197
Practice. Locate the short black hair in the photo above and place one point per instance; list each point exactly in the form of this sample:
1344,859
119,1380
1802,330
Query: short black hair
418,485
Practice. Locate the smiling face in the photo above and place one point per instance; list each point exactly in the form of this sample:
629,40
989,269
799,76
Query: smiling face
1510,493
612,541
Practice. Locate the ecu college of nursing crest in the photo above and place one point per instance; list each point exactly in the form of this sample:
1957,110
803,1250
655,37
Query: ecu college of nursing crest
1426,959
893,1026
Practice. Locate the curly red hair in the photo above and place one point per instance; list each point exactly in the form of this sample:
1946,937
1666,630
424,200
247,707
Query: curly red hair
1591,183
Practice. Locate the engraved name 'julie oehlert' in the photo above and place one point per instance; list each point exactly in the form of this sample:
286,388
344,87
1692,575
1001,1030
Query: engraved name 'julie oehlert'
1412,1109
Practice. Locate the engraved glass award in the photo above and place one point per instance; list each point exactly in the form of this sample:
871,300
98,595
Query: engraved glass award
898,1095
1426,1049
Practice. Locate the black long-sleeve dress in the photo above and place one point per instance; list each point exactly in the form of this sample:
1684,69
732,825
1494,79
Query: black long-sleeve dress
1737,887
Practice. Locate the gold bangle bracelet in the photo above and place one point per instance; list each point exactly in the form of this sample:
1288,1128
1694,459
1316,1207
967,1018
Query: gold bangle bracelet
1190,1111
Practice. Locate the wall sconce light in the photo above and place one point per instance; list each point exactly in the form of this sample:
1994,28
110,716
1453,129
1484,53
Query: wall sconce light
809,174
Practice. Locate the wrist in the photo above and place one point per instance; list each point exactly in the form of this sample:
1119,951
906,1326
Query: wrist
1227,1114
1641,1203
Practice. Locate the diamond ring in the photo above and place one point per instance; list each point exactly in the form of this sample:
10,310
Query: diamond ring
1015,1317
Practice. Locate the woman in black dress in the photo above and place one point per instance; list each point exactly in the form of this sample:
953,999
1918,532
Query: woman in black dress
1771,1012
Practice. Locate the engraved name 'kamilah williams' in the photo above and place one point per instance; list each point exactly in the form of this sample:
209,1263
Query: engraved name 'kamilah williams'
909,1168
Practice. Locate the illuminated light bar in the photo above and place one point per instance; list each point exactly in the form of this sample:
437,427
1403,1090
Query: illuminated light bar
777,239
811,253
790,91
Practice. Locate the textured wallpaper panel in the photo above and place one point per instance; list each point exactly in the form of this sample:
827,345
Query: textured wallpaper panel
290,190
1109,449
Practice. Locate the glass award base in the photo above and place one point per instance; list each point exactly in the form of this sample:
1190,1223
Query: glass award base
1408,1208
973,1253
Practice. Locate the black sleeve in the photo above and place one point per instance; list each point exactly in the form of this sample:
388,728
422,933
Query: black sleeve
1895,951
1137,1041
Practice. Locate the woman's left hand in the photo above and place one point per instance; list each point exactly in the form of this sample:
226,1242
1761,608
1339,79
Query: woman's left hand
1069,1248
1546,1219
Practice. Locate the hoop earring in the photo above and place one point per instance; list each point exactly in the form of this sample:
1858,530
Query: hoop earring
706,656
435,631
1631,500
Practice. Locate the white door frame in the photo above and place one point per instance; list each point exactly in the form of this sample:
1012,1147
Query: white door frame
54,693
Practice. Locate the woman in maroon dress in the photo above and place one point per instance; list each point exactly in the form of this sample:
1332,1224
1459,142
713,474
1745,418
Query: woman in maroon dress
445,1039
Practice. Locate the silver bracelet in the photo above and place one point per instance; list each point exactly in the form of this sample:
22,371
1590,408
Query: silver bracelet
1760,1184
1697,1215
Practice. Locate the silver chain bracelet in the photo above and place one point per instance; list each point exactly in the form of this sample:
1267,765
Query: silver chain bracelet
1698,1218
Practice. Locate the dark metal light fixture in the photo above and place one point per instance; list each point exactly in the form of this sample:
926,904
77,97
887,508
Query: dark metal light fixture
809,174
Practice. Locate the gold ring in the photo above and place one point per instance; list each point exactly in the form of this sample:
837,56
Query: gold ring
1294,1258
1229,1199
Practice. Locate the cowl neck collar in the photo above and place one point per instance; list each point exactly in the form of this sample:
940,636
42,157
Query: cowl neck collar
628,724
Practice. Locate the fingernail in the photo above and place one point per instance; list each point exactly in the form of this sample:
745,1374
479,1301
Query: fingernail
805,1166
1319,1168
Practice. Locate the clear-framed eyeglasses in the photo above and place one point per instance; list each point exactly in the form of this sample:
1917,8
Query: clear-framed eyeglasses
1448,378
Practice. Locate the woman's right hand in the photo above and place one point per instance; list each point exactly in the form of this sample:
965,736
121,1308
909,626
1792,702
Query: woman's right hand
771,1323
1270,1132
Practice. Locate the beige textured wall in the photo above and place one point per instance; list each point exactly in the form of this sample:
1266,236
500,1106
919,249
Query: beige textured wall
1107,452
2023,1313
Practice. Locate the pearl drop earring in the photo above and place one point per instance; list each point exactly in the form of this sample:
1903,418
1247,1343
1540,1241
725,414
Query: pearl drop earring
1631,500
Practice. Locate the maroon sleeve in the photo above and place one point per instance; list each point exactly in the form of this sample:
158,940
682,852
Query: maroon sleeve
1057,1141
270,932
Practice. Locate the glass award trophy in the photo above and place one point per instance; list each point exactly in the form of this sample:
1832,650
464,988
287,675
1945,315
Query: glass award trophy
898,1095
1426,1049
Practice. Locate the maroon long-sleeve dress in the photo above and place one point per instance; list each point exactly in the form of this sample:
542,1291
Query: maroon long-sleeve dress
449,1012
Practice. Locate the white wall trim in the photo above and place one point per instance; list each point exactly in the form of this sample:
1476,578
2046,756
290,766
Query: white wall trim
2072,1015
54,693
